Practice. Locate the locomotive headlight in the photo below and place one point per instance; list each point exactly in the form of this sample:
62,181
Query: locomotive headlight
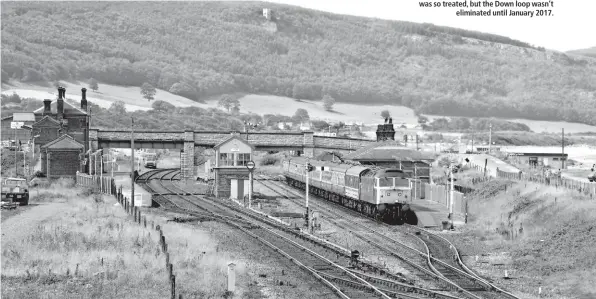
399,193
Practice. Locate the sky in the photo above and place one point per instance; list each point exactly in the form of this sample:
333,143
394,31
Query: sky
571,26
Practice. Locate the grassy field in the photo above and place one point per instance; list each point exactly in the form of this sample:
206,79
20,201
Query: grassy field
538,233
106,94
540,126
264,104
87,249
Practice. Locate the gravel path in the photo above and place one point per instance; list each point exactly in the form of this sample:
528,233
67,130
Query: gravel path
19,225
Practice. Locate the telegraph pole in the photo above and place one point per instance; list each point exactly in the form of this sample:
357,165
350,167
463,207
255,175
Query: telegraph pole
451,195
101,169
89,138
307,168
16,164
490,137
562,148
132,162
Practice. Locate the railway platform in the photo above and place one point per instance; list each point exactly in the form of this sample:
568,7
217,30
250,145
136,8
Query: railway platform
431,214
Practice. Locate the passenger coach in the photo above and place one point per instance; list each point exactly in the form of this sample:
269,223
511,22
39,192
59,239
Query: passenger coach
378,193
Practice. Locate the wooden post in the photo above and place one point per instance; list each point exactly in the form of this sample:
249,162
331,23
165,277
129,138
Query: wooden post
231,277
173,282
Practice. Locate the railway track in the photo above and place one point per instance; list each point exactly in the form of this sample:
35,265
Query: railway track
326,263
438,254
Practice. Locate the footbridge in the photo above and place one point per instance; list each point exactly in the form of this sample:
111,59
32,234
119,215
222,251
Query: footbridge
305,142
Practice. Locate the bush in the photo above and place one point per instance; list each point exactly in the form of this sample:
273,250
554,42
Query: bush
269,160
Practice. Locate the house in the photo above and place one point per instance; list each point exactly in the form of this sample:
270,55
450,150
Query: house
230,170
537,159
267,13
305,126
284,125
63,131
24,133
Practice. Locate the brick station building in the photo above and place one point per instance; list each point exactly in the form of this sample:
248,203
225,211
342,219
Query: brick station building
63,130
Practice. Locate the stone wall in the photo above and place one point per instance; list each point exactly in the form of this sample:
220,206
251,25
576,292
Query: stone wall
62,163
223,180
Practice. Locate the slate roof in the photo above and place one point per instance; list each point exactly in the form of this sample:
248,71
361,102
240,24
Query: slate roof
63,142
230,139
47,121
69,109
388,151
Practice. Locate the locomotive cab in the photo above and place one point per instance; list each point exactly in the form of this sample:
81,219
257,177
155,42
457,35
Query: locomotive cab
392,190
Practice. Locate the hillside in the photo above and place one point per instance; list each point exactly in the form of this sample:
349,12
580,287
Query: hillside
590,52
200,49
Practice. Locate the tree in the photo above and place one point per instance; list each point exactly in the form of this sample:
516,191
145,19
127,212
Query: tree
148,91
328,102
229,103
162,106
117,108
301,115
385,114
422,119
93,84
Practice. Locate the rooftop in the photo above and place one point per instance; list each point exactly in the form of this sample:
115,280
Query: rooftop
390,150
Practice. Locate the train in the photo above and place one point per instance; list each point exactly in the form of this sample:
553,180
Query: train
379,193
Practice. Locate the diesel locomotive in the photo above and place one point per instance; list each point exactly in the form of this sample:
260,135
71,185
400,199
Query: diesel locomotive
382,194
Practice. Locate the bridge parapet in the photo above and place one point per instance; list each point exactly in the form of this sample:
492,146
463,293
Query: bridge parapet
340,143
139,136
275,139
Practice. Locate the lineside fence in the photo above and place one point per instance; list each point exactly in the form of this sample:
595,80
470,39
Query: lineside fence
441,193
586,188
85,180
105,184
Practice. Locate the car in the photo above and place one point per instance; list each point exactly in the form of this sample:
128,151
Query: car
16,190
592,177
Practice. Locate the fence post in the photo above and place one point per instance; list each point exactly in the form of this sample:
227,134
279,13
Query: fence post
173,282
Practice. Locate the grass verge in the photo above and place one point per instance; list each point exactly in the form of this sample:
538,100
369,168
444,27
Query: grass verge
86,248
538,233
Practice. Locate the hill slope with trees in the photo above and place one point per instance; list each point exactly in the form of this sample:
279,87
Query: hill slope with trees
201,49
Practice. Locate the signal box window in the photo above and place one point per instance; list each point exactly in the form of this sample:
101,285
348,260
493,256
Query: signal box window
226,159
243,159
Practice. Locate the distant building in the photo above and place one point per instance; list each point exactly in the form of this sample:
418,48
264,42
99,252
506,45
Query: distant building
267,13
552,160
283,125
23,134
305,126
63,131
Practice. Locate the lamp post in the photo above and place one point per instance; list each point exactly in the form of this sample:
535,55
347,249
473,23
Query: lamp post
250,165
33,150
249,125
132,162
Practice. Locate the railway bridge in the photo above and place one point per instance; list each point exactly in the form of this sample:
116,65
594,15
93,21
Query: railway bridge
305,142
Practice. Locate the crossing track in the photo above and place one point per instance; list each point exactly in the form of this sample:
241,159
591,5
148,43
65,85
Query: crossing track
437,253
325,262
